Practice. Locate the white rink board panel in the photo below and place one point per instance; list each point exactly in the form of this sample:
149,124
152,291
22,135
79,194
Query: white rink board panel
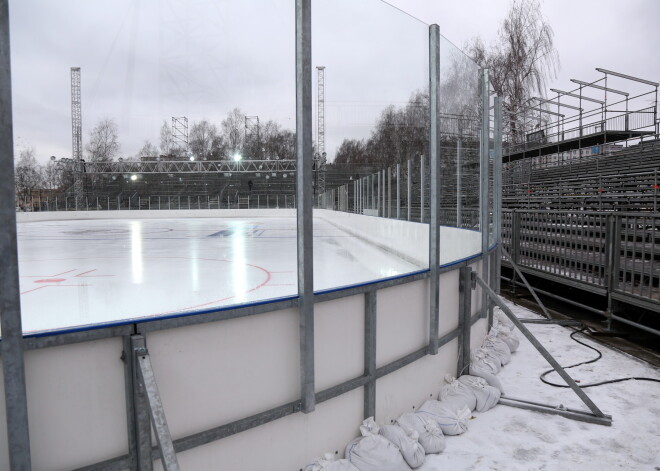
76,404
216,373
407,388
286,444
339,340
402,323
448,319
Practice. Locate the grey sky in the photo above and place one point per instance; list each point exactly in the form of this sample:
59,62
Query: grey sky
144,61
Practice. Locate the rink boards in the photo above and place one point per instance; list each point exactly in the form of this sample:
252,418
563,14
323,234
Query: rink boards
216,368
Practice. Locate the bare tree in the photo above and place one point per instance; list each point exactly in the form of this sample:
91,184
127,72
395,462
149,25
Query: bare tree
27,176
103,143
233,127
52,175
166,139
205,141
521,61
147,150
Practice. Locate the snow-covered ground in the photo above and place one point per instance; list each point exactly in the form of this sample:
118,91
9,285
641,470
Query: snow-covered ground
507,438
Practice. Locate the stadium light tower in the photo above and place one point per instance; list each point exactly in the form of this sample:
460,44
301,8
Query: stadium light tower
320,130
76,133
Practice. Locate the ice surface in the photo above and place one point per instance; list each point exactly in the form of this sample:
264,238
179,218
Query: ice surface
510,439
75,273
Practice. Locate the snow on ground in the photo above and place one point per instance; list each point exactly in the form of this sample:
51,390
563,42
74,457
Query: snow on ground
507,438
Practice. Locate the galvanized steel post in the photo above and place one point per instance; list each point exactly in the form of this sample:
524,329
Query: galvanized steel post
304,200
370,353
421,188
434,155
13,364
398,191
408,199
459,189
483,182
497,193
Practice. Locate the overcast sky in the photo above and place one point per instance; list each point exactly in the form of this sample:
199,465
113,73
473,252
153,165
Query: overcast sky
144,61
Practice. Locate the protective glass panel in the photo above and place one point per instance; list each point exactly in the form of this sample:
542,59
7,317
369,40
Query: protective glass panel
136,169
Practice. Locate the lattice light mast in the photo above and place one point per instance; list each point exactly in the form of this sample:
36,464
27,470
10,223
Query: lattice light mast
180,133
252,138
76,134
320,131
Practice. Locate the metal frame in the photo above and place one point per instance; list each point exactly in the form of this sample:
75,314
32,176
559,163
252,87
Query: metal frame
484,179
434,151
596,415
13,365
304,199
143,406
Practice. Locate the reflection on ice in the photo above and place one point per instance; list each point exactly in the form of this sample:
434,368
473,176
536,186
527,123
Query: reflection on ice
84,272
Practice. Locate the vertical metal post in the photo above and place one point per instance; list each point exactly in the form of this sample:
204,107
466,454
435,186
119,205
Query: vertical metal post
13,365
464,319
370,353
389,192
304,199
434,156
459,189
497,196
398,191
483,182
408,199
378,187
140,407
384,192
421,188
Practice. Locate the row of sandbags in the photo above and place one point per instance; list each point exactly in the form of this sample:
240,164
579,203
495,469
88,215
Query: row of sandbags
404,444
495,351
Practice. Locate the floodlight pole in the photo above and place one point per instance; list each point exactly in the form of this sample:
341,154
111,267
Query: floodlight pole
13,363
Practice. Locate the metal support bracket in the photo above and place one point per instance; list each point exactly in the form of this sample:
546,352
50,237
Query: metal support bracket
595,411
147,386
527,285
573,414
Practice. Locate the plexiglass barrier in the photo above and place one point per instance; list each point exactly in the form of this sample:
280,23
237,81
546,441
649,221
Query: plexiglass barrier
156,154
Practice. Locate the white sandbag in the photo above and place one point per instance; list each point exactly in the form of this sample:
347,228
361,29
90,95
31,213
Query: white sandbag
504,334
430,435
499,347
479,369
451,419
369,427
407,443
329,463
375,453
485,394
487,358
458,393
502,319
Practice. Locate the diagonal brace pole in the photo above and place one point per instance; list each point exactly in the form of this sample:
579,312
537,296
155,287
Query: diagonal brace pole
165,445
529,287
541,349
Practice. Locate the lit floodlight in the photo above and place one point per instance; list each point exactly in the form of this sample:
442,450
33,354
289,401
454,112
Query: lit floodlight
237,157
192,157
284,175
133,177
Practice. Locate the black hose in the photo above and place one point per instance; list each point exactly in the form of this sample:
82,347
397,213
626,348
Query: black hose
593,360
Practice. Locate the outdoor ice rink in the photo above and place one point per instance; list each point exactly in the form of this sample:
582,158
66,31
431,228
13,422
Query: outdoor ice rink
83,272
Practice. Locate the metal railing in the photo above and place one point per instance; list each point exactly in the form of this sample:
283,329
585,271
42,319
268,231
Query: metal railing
613,254
154,202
